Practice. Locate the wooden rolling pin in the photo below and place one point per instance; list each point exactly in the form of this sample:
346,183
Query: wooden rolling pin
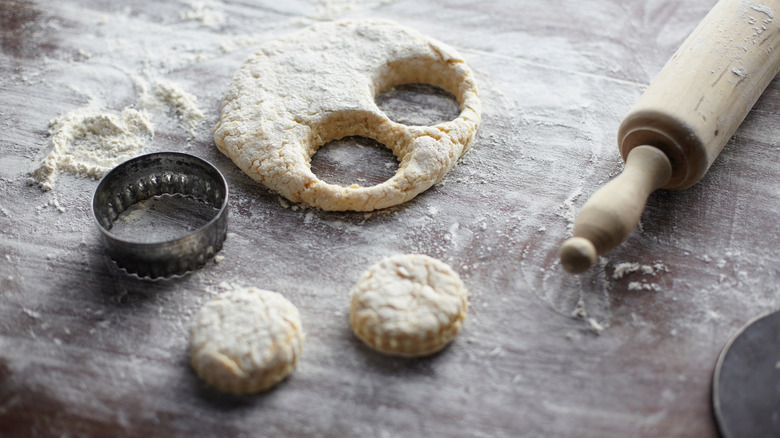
680,124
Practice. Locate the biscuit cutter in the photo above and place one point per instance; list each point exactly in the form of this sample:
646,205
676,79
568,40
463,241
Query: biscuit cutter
746,382
152,176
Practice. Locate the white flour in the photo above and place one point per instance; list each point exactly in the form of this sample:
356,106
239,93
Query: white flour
87,142
331,9
622,269
569,210
240,42
184,104
643,285
90,141
208,13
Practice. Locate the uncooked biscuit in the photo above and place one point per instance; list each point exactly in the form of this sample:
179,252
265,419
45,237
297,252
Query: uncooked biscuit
408,305
246,340
297,93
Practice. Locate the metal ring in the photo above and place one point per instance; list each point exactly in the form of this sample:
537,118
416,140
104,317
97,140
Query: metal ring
152,176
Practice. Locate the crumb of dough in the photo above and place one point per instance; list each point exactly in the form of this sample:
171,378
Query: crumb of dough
624,268
245,341
595,326
408,305
621,269
641,286
299,92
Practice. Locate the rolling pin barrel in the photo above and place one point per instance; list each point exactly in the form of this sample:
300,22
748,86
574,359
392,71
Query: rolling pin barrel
682,121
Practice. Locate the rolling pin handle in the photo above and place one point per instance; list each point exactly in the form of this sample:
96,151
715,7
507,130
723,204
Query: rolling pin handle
613,212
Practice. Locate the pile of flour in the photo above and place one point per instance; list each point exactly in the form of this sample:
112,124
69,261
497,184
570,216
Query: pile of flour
90,140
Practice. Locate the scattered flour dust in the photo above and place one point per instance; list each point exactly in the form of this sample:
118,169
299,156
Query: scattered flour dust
89,141
207,12
580,312
331,9
185,105
641,285
239,42
55,203
570,210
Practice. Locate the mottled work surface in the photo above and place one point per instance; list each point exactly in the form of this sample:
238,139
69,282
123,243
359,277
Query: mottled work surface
86,350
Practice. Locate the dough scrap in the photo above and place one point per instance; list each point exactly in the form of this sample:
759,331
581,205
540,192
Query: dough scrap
297,93
408,305
245,341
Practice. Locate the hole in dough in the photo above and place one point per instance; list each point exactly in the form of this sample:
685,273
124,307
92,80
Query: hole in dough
418,104
354,160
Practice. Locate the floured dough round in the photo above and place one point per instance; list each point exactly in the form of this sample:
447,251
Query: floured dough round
297,93
246,340
408,305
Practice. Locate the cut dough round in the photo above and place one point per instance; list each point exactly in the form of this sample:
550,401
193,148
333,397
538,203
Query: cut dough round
408,305
246,340
297,93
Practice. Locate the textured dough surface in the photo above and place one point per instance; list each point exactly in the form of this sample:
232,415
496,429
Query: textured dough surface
297,93
246,340
408,305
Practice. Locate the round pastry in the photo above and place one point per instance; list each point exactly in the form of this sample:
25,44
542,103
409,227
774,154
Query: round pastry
246,340
408,305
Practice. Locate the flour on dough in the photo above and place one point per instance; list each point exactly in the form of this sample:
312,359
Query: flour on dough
297,93
246,340
408,305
